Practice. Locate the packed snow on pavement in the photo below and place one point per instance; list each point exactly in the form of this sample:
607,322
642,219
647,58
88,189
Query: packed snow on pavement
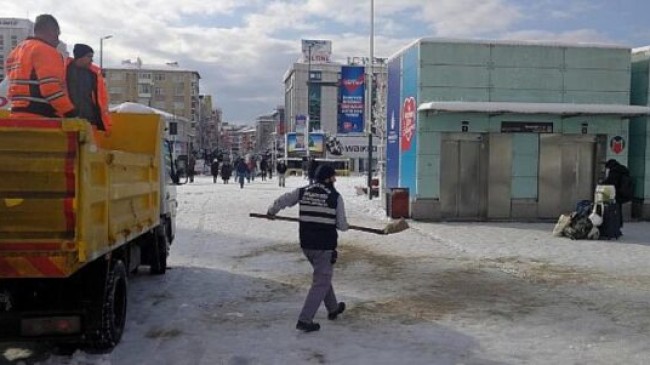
437,293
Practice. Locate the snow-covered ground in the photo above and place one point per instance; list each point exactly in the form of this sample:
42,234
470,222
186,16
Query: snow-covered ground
438,293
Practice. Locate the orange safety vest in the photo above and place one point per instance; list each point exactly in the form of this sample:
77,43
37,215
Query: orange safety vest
36,74
99,95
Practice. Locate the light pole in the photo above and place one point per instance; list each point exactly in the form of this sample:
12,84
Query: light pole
369,119
101,50
308,126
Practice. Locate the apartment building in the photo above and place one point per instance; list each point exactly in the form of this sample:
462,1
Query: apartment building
167,87
12,32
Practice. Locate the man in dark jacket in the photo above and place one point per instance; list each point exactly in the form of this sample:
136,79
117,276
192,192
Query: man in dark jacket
226,171
321,213
87,88
282,170
214,170
264,165
312,165
617,175
191,164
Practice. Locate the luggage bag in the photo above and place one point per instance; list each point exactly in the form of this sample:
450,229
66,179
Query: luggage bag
611,226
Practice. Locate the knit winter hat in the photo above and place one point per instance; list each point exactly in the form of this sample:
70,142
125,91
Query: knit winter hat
324,172
81,50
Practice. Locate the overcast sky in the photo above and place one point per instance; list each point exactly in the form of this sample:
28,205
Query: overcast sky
242,48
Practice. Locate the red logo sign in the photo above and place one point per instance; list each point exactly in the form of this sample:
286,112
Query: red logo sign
352,85
409,113
617,144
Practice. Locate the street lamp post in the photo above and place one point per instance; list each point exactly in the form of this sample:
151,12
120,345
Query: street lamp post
369,119
308,126
101,50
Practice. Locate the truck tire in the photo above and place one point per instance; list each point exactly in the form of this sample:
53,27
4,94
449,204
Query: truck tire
159,252
113,310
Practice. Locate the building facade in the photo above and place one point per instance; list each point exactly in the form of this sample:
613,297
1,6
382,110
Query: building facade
498,130
313,89
265,126
166,87
12,32
639,155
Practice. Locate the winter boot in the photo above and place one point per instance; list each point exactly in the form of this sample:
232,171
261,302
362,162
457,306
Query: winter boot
340,309
307,326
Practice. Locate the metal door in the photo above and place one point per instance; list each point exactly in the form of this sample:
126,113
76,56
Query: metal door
567,172
462,176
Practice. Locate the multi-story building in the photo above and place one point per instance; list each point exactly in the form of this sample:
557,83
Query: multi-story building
265,128
312,89
166,87
12,32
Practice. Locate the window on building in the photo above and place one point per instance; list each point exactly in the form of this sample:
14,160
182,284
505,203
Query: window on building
144,89
116,76
179,77
2,43
179,89
159,77
159,91
144,76
14,41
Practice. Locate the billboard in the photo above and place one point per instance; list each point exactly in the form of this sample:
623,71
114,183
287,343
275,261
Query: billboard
320,51
295,143
352,103
393,123
408,121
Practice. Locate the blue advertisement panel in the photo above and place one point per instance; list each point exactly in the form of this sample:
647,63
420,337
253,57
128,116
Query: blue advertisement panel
352,104
408,121
295,143
393,123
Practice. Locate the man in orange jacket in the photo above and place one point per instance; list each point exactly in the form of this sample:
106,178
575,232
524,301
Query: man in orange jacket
36,74
87,88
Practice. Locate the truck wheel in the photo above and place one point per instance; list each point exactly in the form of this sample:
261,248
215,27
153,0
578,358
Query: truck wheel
159,252
113,310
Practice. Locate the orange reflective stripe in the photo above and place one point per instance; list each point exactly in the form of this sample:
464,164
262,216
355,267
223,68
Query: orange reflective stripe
7,269
45,266
36,63
32,267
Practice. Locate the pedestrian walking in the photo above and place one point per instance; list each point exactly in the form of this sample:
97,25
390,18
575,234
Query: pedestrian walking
281,170
242,172
312,165
191,164
226,171
264,166
214,170
321,213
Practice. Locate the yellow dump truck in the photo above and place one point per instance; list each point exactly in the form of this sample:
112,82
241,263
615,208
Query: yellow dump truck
78,213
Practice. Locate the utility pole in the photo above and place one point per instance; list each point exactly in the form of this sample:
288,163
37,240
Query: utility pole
101,50
308,121
369,82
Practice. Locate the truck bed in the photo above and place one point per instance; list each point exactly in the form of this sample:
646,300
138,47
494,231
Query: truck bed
69,196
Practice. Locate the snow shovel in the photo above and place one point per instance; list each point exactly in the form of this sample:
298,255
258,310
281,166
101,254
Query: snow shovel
392,227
